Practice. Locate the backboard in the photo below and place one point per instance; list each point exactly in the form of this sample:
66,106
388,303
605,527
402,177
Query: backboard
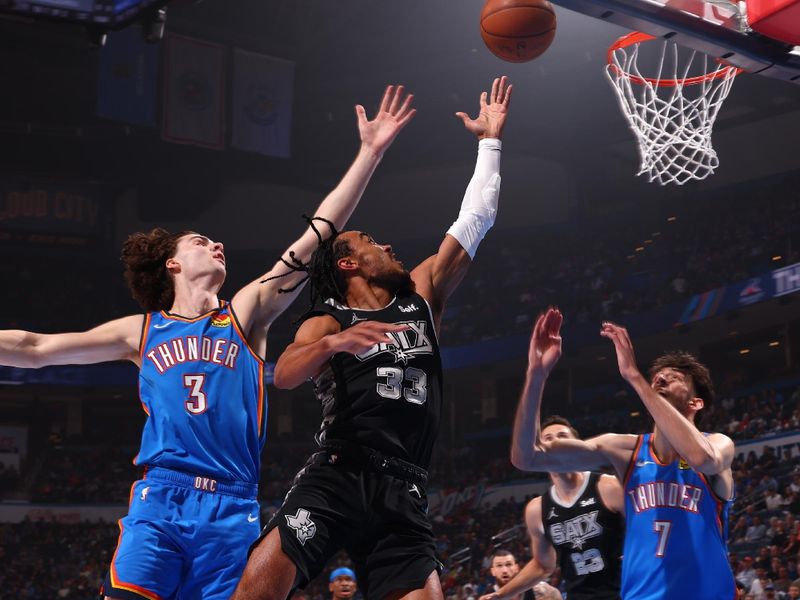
718,28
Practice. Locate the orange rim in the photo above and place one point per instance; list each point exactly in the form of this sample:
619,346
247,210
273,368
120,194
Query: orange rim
637,37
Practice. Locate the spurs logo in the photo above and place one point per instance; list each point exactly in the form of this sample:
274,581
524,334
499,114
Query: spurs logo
576,531
303,526
405,345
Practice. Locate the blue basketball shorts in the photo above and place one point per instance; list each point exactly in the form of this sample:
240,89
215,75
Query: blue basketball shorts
185,537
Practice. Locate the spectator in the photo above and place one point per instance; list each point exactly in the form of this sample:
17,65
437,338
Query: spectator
747,573
773,499
756,531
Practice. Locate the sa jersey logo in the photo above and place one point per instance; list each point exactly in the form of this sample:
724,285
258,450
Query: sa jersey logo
302,524
221,321
405,345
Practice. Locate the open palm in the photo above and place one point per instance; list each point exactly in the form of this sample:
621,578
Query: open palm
492,117
394,113
545,347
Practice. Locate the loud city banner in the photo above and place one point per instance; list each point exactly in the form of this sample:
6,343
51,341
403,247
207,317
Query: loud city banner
70,214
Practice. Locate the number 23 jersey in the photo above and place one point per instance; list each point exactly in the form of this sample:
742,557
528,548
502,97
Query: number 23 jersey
388,398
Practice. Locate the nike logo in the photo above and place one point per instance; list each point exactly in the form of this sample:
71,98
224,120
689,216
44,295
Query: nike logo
251,518
162,325
642,463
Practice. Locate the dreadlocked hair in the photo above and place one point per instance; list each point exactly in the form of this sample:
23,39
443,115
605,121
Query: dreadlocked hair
321,269
145,256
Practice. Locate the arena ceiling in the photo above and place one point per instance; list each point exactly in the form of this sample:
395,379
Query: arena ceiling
568,150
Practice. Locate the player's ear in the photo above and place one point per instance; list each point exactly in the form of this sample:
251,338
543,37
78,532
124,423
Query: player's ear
173,266
347,264
697,404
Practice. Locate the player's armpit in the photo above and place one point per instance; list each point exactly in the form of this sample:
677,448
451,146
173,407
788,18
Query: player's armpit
438,276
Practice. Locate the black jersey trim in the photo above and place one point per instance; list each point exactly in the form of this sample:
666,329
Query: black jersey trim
433,321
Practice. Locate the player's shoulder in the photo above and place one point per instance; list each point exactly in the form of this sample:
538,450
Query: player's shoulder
316,326
124,326
533,514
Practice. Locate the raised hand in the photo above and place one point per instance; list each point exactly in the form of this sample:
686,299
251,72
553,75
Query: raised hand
545,347
490,121
363,336
394,113
626,359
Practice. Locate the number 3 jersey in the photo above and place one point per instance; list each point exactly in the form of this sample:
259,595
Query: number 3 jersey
588,538
677,530
202,388
388,398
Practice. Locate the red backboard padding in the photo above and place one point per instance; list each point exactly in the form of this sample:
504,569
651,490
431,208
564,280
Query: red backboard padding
778,19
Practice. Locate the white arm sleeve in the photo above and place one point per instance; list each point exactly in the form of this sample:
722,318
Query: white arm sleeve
479,208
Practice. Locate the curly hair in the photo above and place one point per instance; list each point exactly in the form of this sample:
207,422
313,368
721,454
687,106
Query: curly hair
144,256
687,364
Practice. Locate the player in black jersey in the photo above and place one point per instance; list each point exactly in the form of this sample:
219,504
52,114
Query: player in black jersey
370,346
577,525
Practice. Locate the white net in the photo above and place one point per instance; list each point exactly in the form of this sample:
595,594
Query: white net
672,113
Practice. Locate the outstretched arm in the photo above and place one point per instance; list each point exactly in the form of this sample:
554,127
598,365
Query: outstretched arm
260,303
528,452
544,351
115,340
709,454
437,277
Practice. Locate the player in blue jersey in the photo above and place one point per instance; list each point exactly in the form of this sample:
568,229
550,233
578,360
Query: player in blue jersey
677,480
194,514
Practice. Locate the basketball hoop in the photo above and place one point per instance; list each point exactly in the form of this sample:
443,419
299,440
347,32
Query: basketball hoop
672,118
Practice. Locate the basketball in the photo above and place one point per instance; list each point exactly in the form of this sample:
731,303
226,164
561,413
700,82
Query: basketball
518,30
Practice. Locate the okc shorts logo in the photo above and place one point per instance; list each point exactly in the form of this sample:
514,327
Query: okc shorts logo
220,321
303,526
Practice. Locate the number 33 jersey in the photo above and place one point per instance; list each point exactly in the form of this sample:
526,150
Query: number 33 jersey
202,388
388,398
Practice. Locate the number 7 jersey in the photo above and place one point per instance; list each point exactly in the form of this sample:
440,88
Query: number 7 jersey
202,388
676,532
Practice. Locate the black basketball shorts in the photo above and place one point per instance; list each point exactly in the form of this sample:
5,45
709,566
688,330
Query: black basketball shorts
379,519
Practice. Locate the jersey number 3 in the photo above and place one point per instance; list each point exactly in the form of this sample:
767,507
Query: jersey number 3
393,389
196,404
